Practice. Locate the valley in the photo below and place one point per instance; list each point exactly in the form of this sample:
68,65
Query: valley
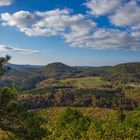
60,85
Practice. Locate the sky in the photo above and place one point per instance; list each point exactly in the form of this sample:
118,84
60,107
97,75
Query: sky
75,32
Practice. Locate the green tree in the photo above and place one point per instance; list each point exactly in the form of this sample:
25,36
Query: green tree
70,125
15,119
120,114
4,60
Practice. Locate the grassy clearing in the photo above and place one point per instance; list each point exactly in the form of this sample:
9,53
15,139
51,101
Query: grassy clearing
86,82
133,92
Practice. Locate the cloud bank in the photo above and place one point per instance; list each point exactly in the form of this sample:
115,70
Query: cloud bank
54,22
6,48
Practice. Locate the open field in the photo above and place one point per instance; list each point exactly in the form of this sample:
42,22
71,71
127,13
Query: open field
86,82
132,91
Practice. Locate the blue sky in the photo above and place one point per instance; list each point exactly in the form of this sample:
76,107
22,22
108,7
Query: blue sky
75,32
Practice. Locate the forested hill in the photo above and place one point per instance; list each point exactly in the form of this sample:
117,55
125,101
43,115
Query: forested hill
58,70
128,72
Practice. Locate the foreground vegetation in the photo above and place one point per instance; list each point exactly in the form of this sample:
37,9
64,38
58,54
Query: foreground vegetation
71,124
89,124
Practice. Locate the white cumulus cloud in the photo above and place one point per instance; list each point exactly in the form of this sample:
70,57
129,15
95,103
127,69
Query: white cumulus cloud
103,7
106,39
115,39
5,2
128,15
18,19
54,22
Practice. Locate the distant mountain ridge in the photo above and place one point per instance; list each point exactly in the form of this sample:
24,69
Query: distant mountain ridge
58,69
23,67
27,76
60,65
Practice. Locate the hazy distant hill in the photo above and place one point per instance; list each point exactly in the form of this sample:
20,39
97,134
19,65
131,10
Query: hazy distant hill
24,67
24,76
